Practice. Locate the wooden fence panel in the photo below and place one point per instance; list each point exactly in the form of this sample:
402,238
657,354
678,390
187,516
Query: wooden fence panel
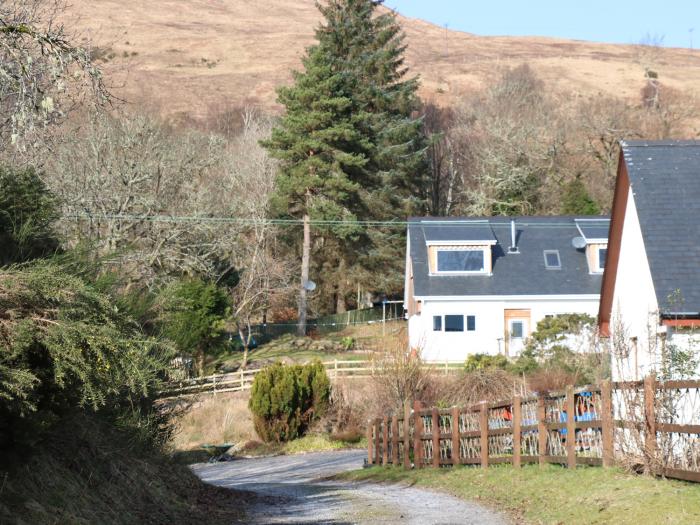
517,434
435,436
484,424
574,427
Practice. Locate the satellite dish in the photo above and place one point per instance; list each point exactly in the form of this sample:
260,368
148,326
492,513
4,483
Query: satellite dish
309,286
578,242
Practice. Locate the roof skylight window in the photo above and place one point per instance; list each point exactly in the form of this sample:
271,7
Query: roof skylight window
552,260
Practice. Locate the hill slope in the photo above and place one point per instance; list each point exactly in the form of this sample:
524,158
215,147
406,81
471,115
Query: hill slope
200,57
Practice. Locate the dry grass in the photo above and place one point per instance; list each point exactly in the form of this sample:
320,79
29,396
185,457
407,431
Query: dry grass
185,62
224,418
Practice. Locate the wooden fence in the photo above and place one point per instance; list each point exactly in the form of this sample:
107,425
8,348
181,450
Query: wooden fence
243,379
538,429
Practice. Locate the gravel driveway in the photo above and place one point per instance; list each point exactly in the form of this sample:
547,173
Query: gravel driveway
291,493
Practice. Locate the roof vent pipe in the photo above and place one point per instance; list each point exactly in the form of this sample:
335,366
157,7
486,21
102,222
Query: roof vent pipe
513,247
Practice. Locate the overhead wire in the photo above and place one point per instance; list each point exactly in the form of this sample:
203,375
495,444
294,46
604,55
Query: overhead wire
498,222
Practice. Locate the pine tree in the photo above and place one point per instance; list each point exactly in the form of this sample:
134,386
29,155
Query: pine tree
371,46
349,144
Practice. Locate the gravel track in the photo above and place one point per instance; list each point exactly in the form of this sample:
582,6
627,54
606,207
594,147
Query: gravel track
291,491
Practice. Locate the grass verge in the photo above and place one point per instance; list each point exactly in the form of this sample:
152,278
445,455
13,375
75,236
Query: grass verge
87,471
555,495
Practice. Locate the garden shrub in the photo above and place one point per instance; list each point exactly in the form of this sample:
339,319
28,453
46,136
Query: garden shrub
484,361
286,399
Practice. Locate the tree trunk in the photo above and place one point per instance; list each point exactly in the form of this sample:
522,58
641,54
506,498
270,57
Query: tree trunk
305,261
200,361
245,341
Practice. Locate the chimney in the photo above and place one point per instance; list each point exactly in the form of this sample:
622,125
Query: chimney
513,247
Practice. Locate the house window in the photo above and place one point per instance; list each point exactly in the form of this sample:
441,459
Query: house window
516,329
437,323
471,323
552,260
463,261
454,323
602,255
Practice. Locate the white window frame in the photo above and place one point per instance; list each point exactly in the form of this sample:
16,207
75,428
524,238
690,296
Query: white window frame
444,324
483,271
466,323
596,267
510,328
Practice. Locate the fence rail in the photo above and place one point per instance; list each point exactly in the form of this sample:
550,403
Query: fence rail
539,429
243,379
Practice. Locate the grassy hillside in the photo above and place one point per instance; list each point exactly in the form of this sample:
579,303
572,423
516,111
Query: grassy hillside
191,59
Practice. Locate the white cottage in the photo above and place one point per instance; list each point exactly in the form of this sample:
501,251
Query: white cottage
482,285
651,289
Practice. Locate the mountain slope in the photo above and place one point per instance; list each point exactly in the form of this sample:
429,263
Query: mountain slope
192,58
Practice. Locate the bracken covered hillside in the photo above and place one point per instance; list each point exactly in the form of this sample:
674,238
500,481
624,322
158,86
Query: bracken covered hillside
192,58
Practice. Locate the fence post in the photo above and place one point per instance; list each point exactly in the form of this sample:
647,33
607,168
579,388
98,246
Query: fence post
377,437
394,440
570,428
241,379
607,430
517,439
370,457
385,440
484,440
650,419
541,430
447,370
455,436
213,380
335,369
417,435
436,437
407,435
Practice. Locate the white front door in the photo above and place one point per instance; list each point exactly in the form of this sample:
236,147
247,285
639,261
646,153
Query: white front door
517,330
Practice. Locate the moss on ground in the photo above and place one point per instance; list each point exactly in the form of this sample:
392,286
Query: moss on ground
554,495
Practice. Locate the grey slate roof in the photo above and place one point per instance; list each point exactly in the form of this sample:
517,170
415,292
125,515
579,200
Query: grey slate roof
456,230
665,180
523,273
593,229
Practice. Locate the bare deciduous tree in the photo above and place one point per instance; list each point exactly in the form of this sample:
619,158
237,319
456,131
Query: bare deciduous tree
43,73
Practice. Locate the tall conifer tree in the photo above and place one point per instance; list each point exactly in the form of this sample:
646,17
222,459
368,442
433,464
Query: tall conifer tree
350,145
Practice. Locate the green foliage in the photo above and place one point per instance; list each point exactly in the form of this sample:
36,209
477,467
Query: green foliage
348,343
484,361
350,145
547,350
194,316
577,201
64,346
27,213
285,399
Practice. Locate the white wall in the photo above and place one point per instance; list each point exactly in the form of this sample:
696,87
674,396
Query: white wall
634,309
456,346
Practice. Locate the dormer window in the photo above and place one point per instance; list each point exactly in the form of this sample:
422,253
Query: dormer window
460,260
595,233
602,255
459,247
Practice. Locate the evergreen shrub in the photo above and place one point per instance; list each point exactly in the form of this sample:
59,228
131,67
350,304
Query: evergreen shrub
286,399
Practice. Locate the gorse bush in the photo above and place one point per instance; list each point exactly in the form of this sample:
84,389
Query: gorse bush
64,346
286,399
